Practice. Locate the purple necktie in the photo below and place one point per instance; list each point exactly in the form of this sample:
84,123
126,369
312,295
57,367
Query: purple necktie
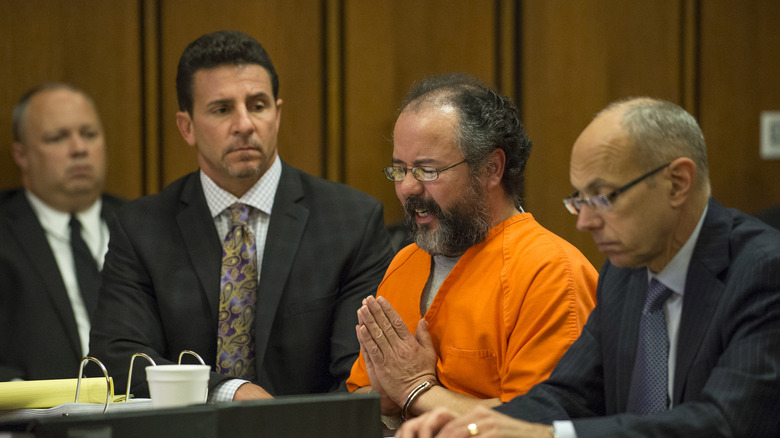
650,381
237,298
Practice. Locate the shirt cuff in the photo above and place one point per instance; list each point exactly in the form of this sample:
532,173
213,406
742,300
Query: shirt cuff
225,391
564,429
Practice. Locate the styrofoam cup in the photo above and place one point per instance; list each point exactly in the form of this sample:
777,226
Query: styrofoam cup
177,385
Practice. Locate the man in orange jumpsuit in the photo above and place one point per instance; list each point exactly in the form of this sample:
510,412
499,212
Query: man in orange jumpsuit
485,302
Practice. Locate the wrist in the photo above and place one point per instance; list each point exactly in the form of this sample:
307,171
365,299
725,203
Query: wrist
413,395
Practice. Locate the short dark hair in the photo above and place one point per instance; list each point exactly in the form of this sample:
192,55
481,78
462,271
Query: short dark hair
487,121
20,109
216,49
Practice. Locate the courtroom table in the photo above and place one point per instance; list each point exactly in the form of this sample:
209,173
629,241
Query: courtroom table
310,416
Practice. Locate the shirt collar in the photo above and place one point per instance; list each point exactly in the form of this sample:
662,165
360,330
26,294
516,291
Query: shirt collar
260,196
58,222
674,274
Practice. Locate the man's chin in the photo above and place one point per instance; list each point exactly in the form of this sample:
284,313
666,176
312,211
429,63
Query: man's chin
245,170
83,187
622,260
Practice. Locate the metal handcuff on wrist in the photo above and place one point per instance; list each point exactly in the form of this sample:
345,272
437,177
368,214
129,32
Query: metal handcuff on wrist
412,396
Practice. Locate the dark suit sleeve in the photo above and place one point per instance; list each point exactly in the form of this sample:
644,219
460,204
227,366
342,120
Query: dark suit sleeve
371,260
150,301
731,389
737,367
127,320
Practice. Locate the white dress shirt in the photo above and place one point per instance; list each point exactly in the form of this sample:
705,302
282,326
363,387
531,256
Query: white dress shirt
94,231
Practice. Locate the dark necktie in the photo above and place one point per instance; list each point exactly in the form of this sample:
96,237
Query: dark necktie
650,381
87,272
237,298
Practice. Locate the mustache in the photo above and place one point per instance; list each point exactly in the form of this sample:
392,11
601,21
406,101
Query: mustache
416,202
252,144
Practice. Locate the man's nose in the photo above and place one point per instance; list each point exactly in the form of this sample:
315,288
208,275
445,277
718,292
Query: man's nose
242,122
78,145
588,218
409,186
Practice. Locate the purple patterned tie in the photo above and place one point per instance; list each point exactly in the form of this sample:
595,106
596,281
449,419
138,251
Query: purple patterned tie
650,380
237,297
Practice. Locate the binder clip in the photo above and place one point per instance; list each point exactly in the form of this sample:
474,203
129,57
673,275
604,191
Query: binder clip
105,373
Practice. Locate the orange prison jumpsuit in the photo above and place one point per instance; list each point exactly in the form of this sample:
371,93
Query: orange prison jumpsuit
506,313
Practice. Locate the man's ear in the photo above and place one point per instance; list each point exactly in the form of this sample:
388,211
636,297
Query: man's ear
682,172
20,155
494,169
184,122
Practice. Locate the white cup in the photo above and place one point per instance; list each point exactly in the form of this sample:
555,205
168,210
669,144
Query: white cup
177,385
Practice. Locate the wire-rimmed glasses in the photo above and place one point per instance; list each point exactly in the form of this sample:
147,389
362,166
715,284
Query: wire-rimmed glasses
420,173
604,202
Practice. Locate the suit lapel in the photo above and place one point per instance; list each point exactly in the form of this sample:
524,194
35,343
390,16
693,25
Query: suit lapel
285,230
110,205
703,291
36,248
635,293
200,237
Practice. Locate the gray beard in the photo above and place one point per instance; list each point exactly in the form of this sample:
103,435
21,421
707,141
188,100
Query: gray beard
464,225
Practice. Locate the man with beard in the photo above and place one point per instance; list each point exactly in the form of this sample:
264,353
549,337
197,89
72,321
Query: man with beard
256,266
486,301
54,234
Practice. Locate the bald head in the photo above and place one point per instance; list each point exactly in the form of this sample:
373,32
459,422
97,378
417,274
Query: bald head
20,111
661,131
59,146
641,179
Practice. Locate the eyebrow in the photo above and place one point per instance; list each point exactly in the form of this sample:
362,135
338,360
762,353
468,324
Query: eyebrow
260,95
593,186
421,162
256,96
219,102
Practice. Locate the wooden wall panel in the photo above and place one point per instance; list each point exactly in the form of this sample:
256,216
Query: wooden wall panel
291,31
578,57
387,47
740,61
93,44
344,66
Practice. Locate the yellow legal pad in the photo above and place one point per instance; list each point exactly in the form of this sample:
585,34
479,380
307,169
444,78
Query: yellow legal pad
34,394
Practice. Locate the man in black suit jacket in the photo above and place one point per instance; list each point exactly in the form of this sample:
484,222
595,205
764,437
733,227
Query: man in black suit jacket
60,150
640,169
326,247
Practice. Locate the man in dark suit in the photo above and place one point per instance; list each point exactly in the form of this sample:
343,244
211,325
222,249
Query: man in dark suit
771,216
45,309
700,361
280,312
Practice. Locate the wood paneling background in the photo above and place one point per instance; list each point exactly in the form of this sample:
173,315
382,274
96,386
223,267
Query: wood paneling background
93,44
577,58
344,66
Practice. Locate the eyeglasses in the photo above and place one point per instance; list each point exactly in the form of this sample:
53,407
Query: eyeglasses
575,202
420,173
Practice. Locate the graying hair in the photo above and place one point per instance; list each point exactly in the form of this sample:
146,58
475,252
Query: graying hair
663,131
486,121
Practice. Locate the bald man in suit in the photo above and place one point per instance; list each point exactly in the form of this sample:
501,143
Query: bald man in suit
59,147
